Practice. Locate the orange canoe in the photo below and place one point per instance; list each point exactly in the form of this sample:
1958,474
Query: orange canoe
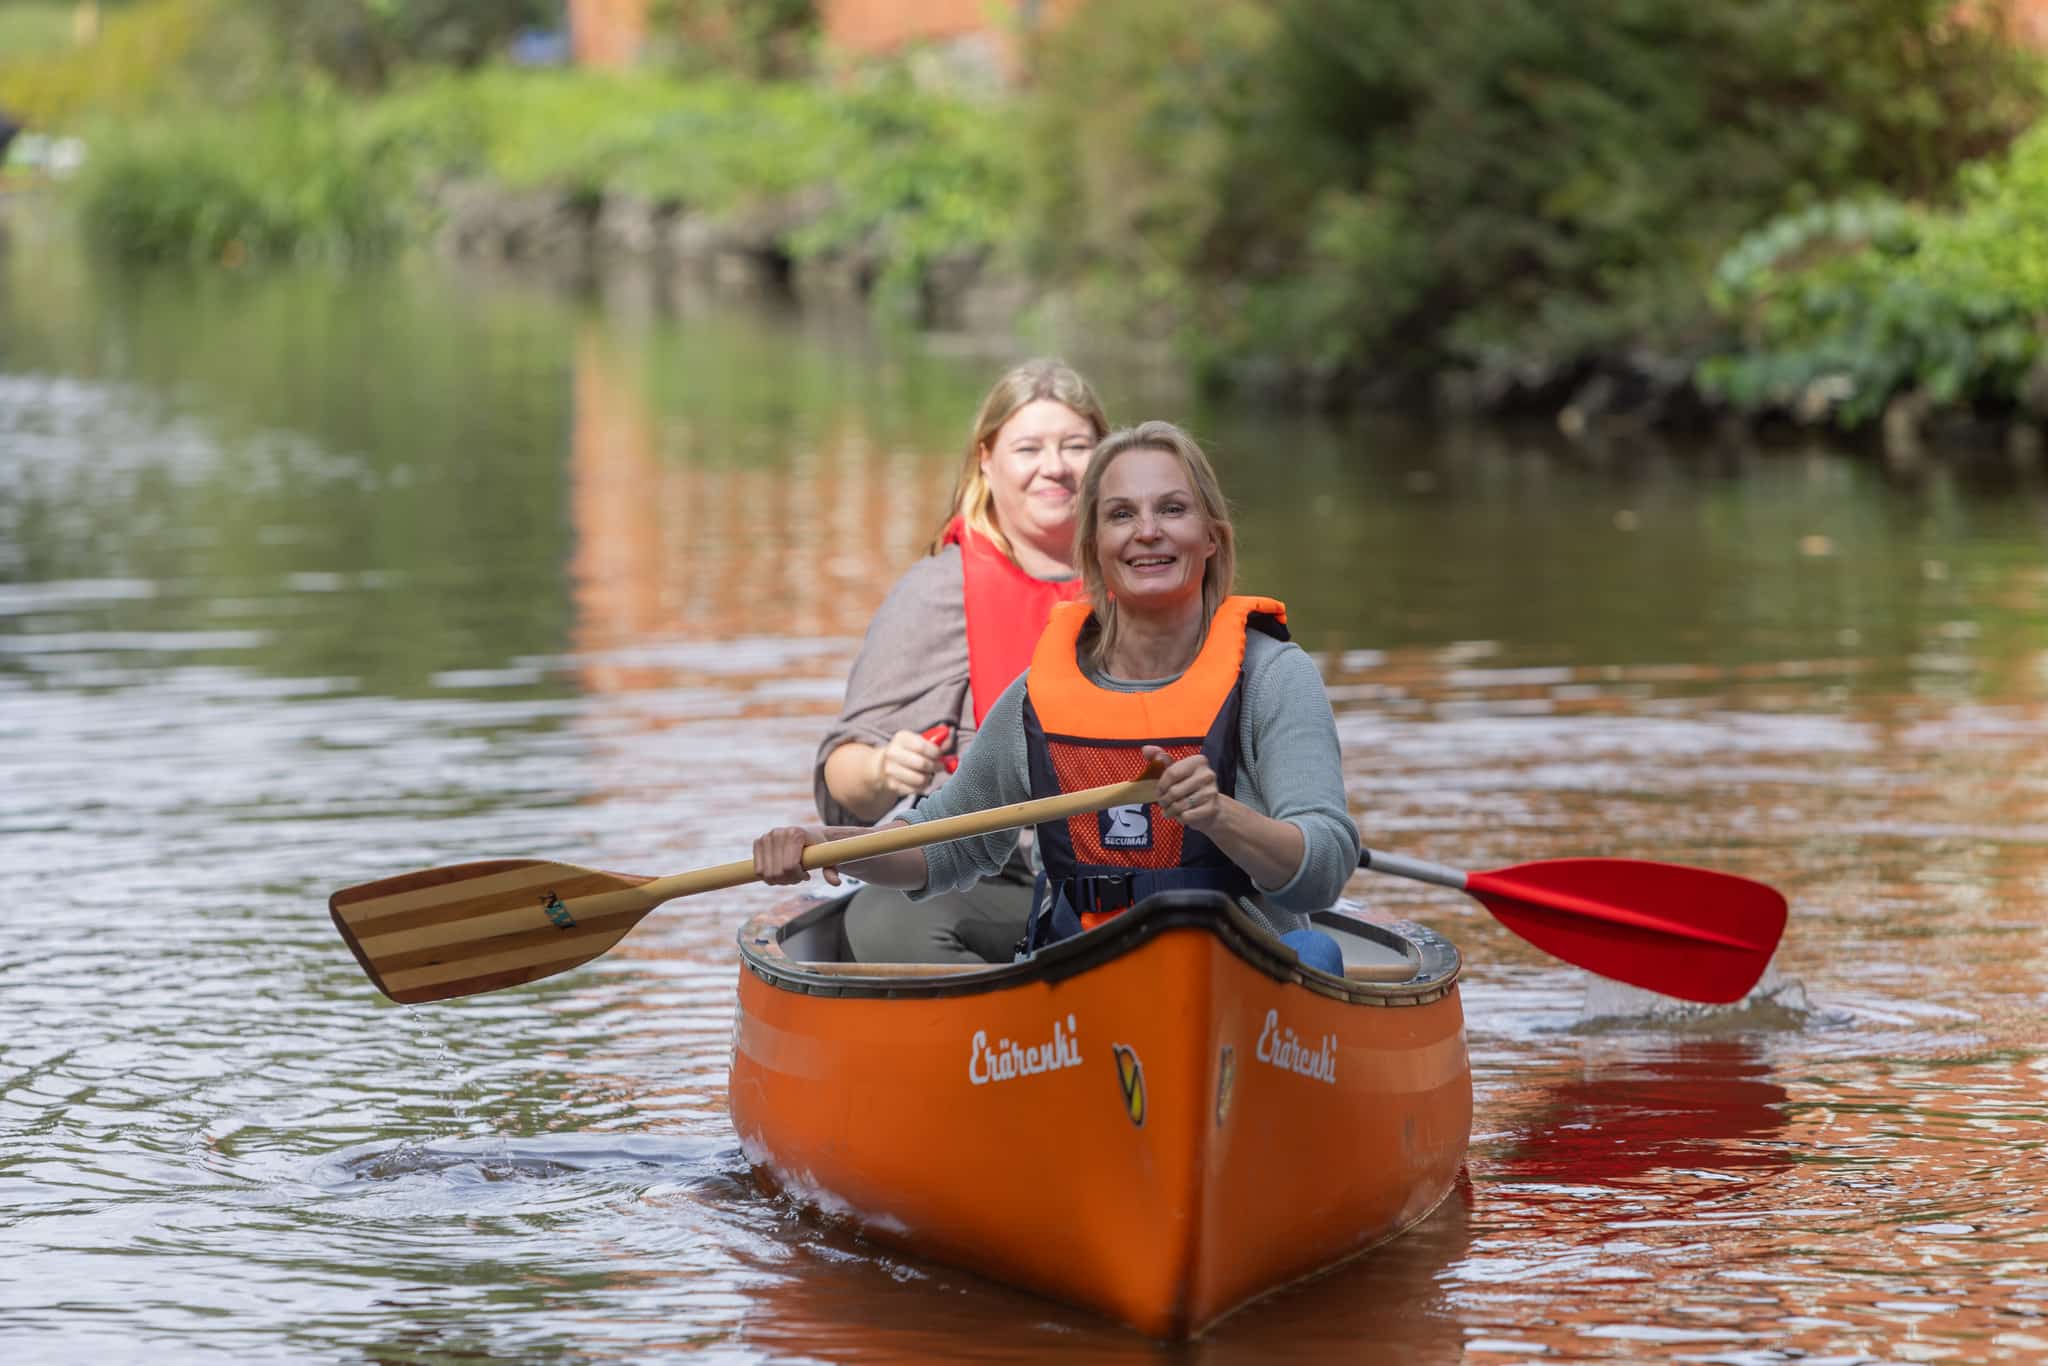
1161,1119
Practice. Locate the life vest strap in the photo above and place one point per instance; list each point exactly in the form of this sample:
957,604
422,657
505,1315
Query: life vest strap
1091,899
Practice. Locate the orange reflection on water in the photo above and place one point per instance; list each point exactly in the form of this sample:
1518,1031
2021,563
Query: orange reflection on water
1686,1202
682,539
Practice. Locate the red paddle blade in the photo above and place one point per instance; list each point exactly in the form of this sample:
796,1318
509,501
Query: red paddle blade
1686,932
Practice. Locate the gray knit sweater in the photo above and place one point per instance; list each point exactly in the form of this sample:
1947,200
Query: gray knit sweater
1290,769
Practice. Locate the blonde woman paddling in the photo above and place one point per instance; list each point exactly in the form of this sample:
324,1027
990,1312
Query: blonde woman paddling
1161,662
952,634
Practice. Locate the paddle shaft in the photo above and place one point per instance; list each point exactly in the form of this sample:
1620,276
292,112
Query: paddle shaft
834,853
1420,870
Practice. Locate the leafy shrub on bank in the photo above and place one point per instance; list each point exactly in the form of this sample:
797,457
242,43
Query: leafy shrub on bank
1841,308
907,177
711,144
917,179
273,182
363,44
1356,187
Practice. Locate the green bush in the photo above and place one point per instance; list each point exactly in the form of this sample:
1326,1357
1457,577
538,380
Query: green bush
759,39
917,178
271,182
1356,187
913,178
1841,308
363,43
711,144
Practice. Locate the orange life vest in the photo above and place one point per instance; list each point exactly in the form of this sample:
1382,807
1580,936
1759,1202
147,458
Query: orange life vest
1079,735
1006,609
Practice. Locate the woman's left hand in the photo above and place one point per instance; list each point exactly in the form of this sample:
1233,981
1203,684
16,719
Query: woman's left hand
1187,790
779,855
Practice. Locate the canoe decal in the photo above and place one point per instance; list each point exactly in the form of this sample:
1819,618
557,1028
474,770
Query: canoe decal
1226,1083
1006,1061
1278,1047
1130,1075
557,912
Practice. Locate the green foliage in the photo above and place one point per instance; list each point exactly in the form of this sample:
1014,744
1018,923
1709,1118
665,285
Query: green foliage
906,178
709,144
37,29
1143,157
916,178
363,43
1342,191
761,39
1354,186
138,57
275,181
1842,307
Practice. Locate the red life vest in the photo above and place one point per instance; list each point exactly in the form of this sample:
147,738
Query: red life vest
1006,609
1079,735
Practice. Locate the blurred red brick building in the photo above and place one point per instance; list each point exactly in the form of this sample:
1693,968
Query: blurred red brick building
611,33
2030,19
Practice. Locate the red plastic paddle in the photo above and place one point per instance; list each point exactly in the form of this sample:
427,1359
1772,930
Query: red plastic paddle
1692,933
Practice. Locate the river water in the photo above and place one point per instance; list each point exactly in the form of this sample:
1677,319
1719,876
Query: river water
309,579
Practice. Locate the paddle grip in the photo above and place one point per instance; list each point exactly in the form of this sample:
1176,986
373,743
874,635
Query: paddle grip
939,735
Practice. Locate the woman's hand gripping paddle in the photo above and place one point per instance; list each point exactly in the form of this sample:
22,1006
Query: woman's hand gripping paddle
1686,932
476,927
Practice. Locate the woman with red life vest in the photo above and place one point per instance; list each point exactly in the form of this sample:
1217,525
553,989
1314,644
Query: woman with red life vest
1160,662
954,631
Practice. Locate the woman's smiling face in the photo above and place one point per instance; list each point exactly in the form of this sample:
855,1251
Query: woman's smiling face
1152,538
1033,467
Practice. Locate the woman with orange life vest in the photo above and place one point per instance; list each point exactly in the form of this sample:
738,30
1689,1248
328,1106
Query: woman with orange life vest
1161,662
954,631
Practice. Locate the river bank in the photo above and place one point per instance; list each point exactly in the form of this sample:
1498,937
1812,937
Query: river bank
1672,219
634,251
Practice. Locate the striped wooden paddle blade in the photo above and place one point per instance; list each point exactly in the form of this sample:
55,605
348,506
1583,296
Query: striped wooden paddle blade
475,927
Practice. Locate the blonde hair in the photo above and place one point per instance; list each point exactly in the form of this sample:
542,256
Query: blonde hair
1219,575
973,500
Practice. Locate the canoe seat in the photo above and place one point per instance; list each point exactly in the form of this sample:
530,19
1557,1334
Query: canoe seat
808,935
897,969
1355,972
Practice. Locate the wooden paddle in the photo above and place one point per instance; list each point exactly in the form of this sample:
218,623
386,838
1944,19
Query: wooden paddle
1686,932
476,927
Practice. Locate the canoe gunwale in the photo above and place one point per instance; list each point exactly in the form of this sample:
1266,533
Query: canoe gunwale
1438,961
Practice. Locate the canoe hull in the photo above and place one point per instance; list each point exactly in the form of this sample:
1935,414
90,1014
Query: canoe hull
1161,1134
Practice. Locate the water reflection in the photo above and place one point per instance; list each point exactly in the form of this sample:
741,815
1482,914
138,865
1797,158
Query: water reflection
842,1300
1704,1106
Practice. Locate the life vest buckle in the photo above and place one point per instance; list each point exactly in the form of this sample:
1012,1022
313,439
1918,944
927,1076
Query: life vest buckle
1103,893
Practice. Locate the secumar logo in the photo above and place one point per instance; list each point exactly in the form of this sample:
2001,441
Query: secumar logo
1130,1076
1125,827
